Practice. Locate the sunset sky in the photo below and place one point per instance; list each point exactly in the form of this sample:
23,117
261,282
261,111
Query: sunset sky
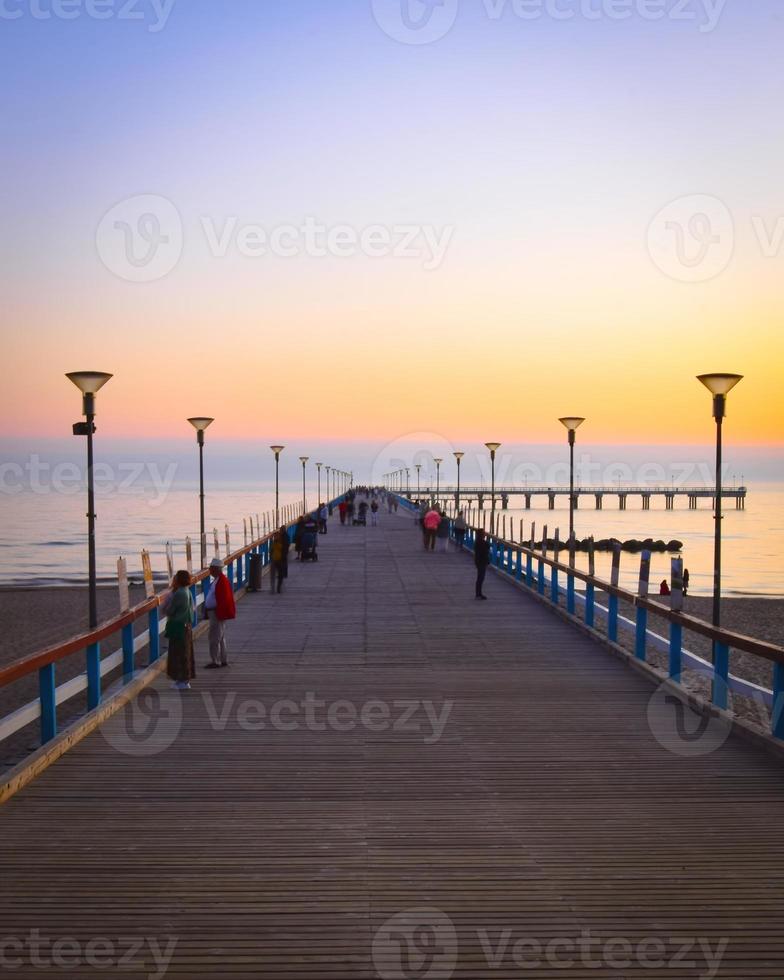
540,153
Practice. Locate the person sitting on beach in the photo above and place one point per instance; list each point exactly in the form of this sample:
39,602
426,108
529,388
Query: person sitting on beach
178,609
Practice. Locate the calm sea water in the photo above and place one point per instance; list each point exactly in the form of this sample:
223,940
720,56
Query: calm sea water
43,537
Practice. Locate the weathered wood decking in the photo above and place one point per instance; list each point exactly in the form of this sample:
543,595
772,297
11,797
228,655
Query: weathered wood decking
546,808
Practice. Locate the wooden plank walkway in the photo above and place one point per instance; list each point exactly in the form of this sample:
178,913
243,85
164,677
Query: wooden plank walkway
524,800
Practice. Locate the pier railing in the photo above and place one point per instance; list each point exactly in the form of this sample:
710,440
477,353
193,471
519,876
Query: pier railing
555,582
44,662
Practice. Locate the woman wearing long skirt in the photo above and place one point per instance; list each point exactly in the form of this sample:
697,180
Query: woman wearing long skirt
178,607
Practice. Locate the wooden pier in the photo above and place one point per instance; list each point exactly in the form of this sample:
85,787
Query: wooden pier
504,495
539,805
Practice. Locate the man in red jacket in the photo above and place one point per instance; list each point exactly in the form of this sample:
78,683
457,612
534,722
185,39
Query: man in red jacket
219,607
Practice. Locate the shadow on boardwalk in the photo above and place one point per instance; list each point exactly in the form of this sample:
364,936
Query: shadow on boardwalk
393,780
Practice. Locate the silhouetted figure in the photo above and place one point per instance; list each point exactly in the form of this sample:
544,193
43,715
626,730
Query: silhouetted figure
481,560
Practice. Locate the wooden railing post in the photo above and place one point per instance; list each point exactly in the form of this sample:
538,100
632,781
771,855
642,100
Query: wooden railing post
154,626
543,553
529,565
93,676
612,603
777,709
641,626
48,696
676,630
590,598
721,675
570,578
128,652
554,588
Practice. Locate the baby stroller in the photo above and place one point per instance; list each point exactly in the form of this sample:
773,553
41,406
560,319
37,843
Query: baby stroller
308,544
361,519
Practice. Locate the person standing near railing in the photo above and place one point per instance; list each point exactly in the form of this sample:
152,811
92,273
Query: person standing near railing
178,609
219,608
460,530
442,532
279,556
481,560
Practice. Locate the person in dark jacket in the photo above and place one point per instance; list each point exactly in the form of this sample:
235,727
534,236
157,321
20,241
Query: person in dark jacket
481,560
279,558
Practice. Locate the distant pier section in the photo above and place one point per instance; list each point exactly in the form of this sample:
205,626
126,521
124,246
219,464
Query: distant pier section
481,495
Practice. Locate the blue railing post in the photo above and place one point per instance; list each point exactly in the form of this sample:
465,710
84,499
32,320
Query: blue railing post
529,569
777,709
519,566
540,583
721,672
93,676
230,574
194,597
154,621
570,594
676,651
48,695
640,633
590,605
128,652
612,619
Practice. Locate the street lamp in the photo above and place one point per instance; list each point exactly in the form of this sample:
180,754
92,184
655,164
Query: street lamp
318,467
438,463
493,447
201,425
304,461
418,468
572,423
89,383
719,385
277,450
458,456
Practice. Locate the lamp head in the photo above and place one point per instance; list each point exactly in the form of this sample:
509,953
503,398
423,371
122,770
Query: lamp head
200,425
719,384
437,461
89,383
277,450
304,459
458,456
493,447
572,422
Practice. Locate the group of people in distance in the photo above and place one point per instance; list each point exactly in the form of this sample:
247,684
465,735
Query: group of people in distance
353,509
436,527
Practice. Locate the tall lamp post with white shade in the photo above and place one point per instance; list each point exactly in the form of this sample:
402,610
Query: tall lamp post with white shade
304,461
493,447
277,450
572,423
719,385
438,463
458,459
89,383
318,467
201,425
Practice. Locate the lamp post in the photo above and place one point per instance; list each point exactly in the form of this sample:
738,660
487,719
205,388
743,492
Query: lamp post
89,383
458,457
318,467
418,468
277,450
304,461
201,425
572,423
408,482
329,495
493,447
719,385
438,463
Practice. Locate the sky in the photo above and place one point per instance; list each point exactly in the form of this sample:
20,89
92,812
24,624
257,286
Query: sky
319,221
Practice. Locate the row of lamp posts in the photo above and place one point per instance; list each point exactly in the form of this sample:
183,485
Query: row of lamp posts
90,383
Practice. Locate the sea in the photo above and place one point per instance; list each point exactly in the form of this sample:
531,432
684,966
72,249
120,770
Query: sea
43,539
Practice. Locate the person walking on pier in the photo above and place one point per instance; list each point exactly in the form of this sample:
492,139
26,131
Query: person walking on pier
219,608
374,512
178,609
442,532
323,518
342,512
460,530
481,560
430,528
279,558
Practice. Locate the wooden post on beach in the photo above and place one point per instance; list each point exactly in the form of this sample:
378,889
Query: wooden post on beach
189,556
215,542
